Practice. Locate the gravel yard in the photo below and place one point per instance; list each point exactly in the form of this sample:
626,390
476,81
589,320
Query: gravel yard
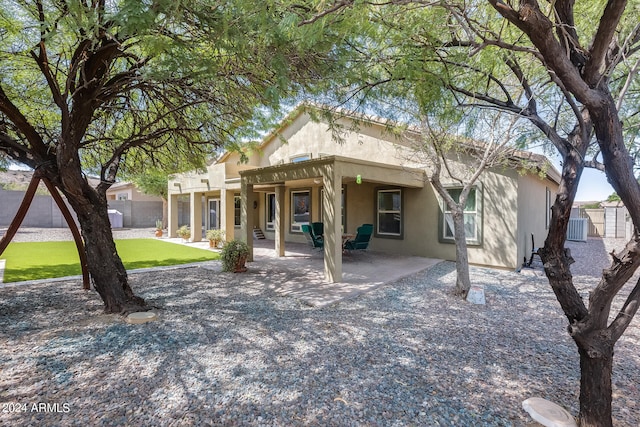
229,351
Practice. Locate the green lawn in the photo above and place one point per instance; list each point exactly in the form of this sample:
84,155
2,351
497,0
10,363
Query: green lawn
45,260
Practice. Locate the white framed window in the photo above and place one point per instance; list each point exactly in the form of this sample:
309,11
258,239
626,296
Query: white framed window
389,213
472,217
300,209
237,218
270,211
123,196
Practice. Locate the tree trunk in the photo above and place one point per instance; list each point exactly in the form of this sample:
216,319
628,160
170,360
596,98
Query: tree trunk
108,274
463,281
595,389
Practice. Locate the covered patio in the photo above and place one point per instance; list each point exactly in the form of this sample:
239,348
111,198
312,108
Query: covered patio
332,172
300,272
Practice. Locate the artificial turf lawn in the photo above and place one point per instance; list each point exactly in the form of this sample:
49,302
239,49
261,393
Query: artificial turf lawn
46,260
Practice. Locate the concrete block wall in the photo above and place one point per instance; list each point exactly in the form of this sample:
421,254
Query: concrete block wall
138,214
44,212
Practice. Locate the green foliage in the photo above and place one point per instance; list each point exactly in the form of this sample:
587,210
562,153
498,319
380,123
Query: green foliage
153,182
215,235
613,197
231,252
184,232
183,80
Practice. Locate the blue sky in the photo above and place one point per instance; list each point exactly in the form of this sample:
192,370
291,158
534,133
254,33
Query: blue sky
593,186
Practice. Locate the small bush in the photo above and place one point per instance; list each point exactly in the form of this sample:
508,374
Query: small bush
184,232
215,235
231,253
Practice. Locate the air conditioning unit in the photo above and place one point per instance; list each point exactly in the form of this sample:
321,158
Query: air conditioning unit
578,229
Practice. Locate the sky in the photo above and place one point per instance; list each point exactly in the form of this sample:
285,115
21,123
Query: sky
593,187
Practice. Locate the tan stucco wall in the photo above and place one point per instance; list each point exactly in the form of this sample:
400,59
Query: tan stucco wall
313,138
532,211
422,214
513,206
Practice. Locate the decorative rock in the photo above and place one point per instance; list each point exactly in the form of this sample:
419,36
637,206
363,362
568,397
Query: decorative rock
141,317
548,413
476,295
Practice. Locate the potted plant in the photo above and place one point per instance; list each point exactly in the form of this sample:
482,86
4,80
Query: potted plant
184,232
215,236
234,254
158,228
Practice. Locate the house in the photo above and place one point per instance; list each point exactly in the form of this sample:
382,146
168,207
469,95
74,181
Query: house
129,191
300,174
130,207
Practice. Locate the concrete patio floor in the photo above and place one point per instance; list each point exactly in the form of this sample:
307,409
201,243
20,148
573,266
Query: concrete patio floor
300,273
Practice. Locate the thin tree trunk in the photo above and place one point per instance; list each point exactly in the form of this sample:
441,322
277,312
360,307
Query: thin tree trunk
463,281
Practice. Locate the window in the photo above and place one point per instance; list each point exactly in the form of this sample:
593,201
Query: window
271,211
547,218
300,158
214,213
300,209
123,196
471,217
389,215
236,211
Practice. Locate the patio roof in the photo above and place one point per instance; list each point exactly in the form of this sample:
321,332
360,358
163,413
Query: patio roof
346,167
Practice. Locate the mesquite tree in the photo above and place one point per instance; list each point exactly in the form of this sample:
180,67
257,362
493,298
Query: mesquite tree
570,69
101,86
438,146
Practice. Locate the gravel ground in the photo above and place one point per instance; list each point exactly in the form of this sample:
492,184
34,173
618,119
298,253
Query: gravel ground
227,351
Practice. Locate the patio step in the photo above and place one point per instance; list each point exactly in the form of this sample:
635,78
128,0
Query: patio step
258,234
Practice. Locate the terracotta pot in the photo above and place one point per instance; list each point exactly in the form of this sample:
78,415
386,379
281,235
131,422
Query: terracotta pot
158,233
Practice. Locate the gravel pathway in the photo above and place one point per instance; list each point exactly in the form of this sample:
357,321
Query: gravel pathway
227,351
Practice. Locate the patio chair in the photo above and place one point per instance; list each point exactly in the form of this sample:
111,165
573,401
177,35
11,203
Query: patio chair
361,241
314,241
318,229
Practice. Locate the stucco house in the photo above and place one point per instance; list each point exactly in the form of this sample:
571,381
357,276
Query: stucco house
129,191
300,174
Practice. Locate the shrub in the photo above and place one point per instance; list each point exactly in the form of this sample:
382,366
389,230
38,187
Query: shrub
184,232
215,235
233,253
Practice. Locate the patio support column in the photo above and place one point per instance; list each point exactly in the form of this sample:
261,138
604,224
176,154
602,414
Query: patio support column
172,220
247,198
279,223
195,216
227,213
332,225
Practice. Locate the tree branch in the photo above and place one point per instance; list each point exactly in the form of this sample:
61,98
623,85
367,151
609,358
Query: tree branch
602,40
626,313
